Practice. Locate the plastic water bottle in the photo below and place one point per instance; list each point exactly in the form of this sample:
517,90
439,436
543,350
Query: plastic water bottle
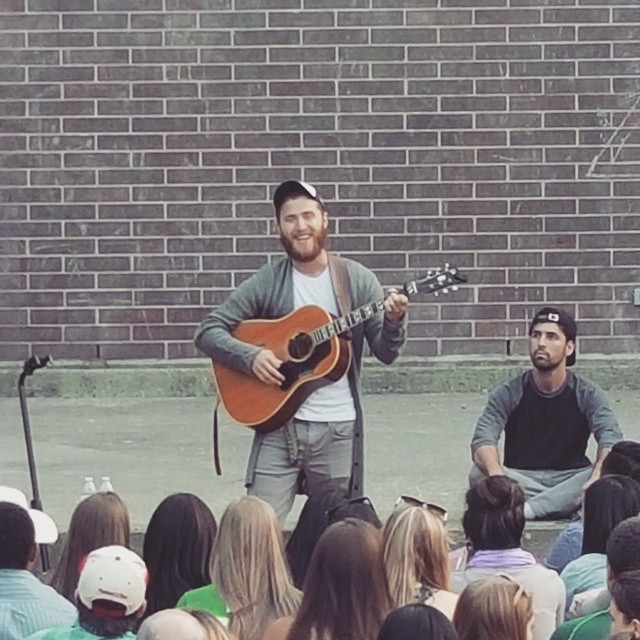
88,487
106,485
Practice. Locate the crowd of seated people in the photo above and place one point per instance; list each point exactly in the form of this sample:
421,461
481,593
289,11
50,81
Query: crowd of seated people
343,574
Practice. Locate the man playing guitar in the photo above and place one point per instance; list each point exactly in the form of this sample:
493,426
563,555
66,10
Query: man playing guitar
324,439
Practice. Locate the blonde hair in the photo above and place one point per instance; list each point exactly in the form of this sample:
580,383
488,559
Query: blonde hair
249,569
497,608
416,552
98,521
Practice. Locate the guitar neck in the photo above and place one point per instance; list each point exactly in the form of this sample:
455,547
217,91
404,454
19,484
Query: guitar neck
431,283
344,323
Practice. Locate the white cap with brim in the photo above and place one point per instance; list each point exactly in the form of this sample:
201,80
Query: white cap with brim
115,574
45,527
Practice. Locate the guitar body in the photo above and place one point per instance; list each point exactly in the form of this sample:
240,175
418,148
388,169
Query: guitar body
264,407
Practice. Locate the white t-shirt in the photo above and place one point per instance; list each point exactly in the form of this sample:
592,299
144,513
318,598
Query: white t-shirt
333,402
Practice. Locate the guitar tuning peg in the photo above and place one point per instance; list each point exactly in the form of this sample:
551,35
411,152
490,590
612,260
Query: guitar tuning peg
429,273
445,290
435,293
455,287
446,265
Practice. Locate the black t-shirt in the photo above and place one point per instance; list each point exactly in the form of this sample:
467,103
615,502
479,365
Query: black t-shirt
546,431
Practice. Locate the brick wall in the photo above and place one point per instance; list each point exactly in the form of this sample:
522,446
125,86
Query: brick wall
140,141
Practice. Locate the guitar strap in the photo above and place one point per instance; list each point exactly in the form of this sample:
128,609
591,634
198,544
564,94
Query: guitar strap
216,443
340,280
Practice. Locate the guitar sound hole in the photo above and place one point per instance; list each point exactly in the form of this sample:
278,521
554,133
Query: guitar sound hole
300,347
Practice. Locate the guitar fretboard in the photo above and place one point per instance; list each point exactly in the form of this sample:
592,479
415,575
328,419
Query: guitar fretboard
344,323
430,284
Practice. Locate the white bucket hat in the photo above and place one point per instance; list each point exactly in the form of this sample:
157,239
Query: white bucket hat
46,530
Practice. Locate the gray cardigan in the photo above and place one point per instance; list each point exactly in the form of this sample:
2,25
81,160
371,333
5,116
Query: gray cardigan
268,294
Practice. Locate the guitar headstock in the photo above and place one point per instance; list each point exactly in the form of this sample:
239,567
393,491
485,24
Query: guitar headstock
441,279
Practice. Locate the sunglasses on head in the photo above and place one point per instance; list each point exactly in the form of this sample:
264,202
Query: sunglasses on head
360,500
429,506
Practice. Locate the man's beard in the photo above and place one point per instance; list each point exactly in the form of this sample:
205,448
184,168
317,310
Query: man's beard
319,240
545,364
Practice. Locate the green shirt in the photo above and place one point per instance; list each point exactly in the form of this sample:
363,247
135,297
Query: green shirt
205,599
597,626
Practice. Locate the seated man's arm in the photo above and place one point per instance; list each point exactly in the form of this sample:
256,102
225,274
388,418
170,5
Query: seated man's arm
602,422
491,423
487,458
597,467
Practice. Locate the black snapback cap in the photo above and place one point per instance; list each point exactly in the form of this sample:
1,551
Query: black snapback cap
564,320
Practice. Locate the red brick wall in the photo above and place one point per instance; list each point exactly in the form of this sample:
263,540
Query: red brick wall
140,140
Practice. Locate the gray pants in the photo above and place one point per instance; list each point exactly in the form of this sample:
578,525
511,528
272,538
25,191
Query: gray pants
323,454
548,492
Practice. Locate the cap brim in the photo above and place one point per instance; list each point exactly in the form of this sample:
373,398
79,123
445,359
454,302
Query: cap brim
45,527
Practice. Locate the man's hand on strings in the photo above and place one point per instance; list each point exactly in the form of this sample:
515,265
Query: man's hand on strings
266,367
395,306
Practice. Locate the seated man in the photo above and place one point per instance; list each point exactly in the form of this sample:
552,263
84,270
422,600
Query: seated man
110,597
547,414
26,605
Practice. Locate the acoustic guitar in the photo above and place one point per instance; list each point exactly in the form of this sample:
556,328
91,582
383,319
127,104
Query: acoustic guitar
314,349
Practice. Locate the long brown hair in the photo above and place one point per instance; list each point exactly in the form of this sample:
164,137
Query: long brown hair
98,521
497,608
416,551
345,591
249,569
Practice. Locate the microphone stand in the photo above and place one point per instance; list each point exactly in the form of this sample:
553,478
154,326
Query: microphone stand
32,364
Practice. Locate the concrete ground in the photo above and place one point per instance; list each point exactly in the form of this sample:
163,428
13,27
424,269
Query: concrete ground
415,444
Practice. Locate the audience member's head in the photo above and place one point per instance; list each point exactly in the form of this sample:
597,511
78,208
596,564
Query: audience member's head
494,518
313,520
497,608
623,460
111,591
607,502
623,547
249,568
416,552
17,537
99,520
21,530
625,603
182,624
345,591
417,622
177,549
360,508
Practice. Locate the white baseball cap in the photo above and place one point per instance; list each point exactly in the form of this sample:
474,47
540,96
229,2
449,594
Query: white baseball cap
116,574
45,527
